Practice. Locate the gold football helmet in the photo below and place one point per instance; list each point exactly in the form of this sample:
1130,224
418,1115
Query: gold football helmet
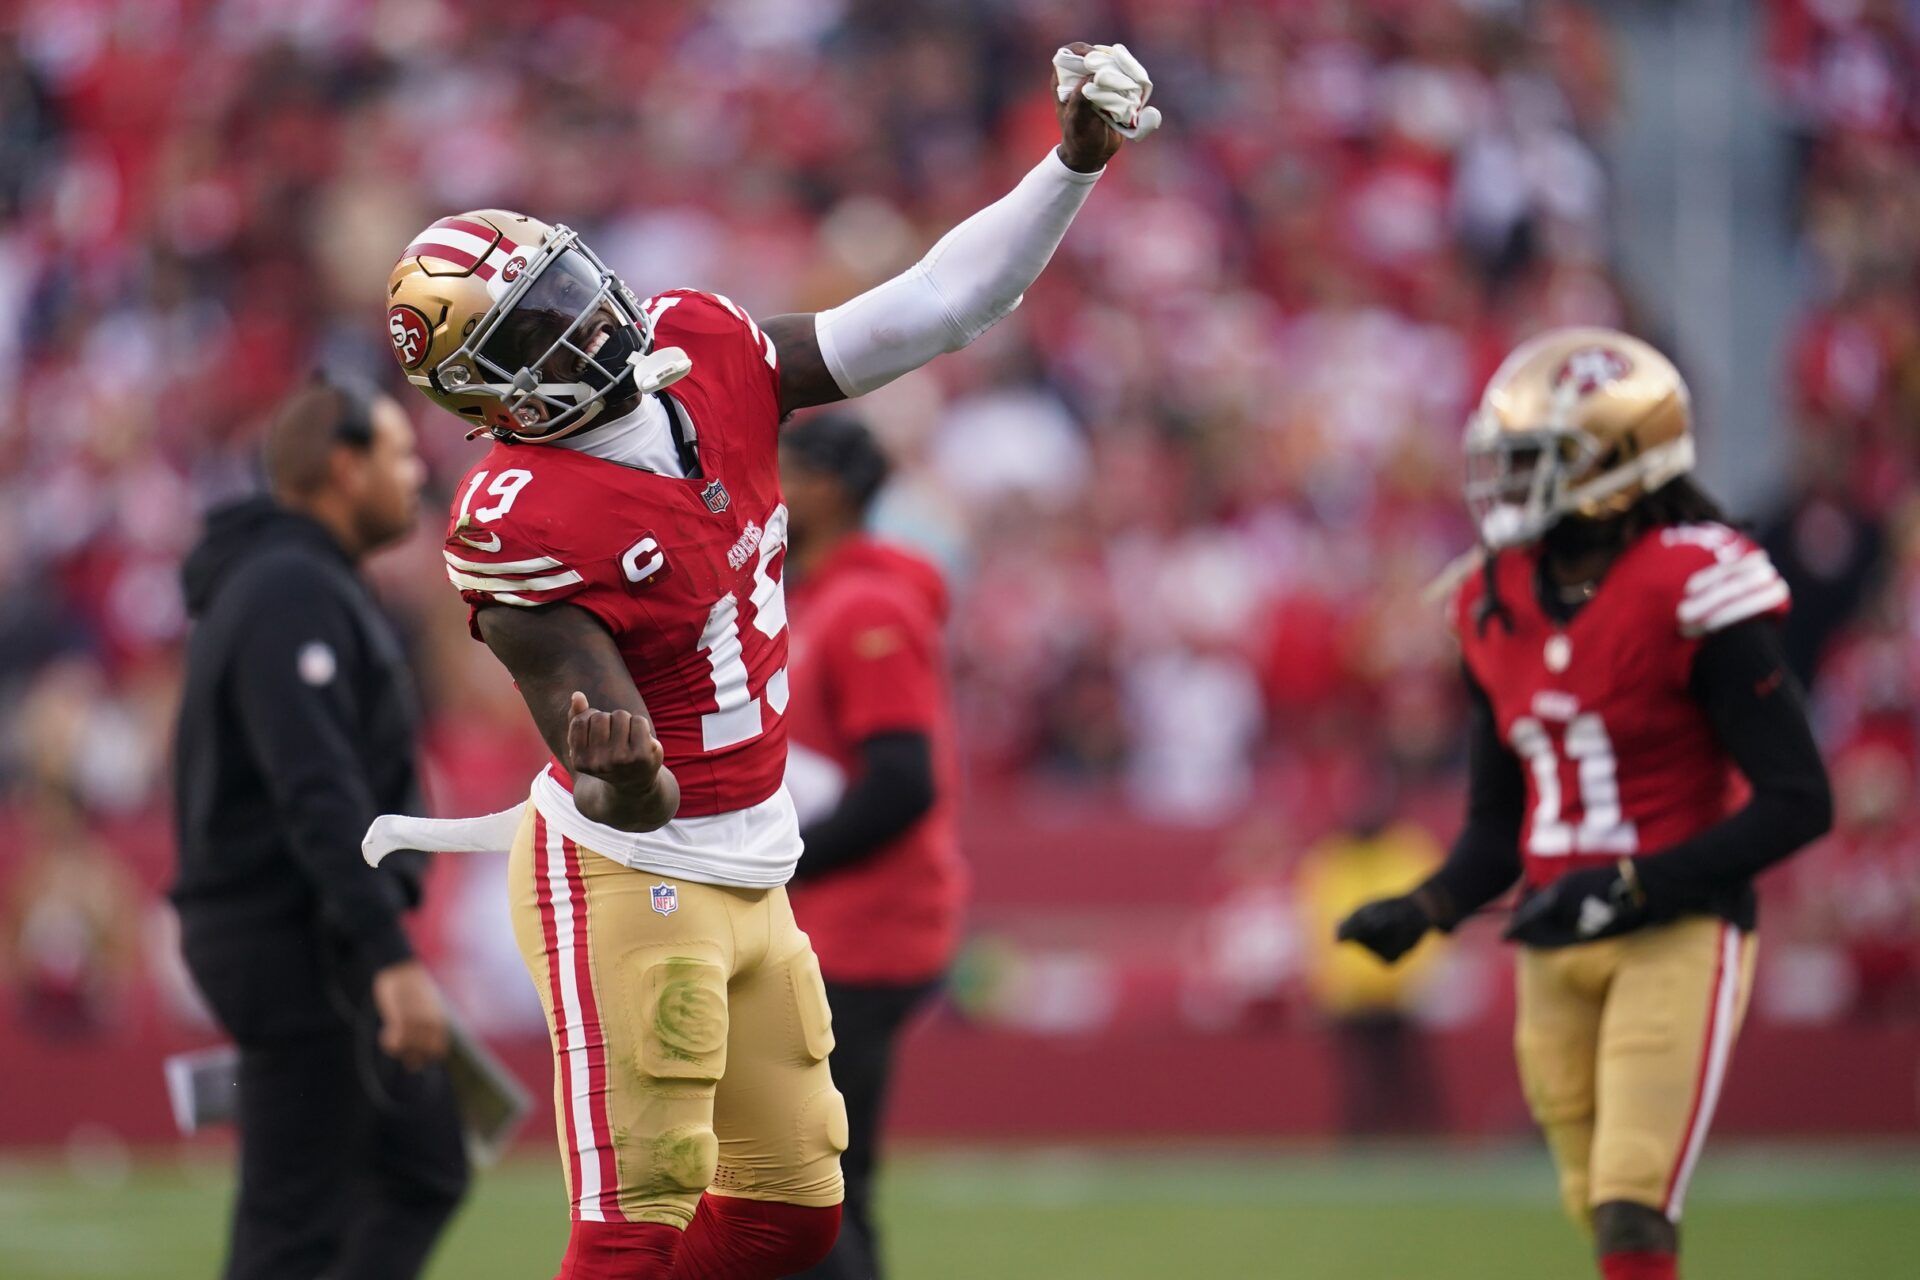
1581,422
517,327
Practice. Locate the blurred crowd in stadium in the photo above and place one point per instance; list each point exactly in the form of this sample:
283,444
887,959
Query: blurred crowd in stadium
1190,494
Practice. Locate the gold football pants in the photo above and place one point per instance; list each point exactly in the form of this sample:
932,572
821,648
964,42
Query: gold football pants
690,1035
1623,1047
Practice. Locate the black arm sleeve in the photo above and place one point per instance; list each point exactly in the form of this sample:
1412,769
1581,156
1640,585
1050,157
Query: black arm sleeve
294,673
893,790
1758,713
1485,858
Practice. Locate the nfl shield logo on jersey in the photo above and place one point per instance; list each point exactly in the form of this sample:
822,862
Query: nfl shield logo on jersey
715,496
666,899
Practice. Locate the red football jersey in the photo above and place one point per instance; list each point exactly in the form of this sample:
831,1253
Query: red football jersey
685,573
868,659
1619,758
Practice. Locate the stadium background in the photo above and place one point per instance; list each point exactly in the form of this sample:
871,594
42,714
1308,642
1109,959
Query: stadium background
1189,496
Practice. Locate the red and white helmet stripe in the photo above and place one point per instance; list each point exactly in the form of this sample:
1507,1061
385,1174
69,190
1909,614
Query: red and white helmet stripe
469,244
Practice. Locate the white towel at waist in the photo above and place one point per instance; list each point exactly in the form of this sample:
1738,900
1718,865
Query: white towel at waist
488,833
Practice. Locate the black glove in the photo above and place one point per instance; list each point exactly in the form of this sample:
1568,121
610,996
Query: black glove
1582,906
1389,928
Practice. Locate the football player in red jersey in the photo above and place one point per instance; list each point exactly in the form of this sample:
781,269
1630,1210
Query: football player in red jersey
621,548
1638,753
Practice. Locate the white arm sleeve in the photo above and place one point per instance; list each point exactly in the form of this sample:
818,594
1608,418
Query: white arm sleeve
967,282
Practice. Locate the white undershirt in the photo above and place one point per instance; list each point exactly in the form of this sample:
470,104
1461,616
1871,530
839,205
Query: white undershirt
753,848
643,439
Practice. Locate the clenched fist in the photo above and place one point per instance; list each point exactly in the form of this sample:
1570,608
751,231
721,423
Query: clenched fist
617,747
1102,91
619,768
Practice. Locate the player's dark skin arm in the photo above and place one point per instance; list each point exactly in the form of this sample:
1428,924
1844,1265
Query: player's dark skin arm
586,706
1087,142
805,380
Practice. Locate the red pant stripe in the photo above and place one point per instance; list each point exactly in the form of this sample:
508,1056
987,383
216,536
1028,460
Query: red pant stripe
1721,1016
593,1043
562,1022
576,1029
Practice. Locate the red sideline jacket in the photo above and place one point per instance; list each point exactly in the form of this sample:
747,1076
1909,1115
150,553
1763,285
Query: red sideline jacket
867,658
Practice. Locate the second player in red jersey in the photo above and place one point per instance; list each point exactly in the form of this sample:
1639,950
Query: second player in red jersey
1638,752
1619,756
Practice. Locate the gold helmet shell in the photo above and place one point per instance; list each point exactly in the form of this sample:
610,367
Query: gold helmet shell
1577,421
518,328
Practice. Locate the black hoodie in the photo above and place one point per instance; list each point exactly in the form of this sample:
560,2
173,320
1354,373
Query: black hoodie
296,730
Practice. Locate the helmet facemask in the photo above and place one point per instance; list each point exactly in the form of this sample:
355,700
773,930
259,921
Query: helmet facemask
1517,481
1520,483
558,346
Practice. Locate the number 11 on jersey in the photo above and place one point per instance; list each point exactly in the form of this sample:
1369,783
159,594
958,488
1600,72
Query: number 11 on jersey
1601,827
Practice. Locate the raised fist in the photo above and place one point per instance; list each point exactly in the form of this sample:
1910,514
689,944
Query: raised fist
1102,91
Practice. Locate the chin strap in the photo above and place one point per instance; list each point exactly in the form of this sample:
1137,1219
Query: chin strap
652,371
658,369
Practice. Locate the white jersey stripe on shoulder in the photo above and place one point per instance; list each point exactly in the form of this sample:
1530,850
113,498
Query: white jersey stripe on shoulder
1700,603
494,586
1751,605
1706,579
534,565
1694,614
741,316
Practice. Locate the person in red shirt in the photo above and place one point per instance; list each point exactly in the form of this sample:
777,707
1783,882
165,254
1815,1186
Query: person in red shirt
871,765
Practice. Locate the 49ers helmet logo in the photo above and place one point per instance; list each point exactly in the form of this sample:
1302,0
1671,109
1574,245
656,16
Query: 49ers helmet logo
411,335
1590,369
511,272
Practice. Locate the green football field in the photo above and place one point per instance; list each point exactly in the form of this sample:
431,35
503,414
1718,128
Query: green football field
1778,1213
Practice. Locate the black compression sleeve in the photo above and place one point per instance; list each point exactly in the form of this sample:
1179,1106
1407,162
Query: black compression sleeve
1759,716
1485,858
893,790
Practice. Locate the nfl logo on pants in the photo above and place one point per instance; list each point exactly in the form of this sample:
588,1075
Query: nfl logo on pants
666,899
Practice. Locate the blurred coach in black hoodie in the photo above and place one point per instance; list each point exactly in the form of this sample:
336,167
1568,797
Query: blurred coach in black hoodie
296,730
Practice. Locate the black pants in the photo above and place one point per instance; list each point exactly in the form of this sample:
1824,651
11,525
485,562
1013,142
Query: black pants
1386,1085
867,1021
350,1165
